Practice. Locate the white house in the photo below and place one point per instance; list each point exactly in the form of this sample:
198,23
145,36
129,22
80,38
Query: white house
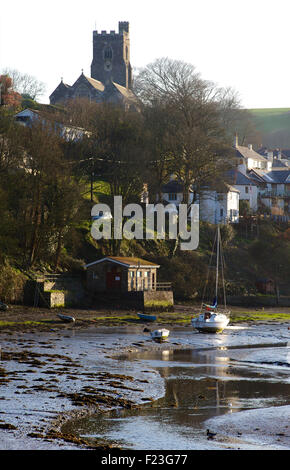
215,206
172,192
219,207
248,159
247,188
273,189
27,116
280,158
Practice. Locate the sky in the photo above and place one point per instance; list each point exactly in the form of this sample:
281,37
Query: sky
242,44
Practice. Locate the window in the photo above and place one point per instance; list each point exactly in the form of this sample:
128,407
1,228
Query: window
221,212
139,273
246,189
108,53
172,196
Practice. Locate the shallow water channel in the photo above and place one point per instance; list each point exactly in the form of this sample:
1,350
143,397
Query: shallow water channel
216,375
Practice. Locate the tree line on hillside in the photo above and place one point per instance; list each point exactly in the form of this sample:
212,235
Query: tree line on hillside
184,126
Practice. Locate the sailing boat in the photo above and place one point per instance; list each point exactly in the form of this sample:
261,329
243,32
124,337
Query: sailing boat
211,319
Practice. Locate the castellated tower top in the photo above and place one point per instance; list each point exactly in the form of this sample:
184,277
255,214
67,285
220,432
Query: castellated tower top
123,26
111,56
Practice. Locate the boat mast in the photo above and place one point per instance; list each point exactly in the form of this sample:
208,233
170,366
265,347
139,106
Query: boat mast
217,261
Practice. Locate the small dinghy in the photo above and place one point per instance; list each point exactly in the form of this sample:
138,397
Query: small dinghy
3,306
66,318
145,317
160,334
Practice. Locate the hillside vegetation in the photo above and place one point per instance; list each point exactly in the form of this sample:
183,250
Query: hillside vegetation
273,124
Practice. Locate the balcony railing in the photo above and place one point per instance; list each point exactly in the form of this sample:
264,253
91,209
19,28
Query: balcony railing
274,194
142,286
162,286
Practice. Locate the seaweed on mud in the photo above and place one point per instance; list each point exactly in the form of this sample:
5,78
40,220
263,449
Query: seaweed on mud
96,399
7,426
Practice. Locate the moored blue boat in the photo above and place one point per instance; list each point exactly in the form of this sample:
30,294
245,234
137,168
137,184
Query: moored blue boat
147,317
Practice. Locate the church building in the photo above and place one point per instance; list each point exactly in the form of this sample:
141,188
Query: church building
111,72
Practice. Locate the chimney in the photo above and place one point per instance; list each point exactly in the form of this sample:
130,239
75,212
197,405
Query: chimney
250,147
270,155
236,141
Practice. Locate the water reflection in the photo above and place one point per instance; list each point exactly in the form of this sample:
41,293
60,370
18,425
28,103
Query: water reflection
200,384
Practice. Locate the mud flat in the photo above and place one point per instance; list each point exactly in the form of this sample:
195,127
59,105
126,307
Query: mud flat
267,427
49,378
71,371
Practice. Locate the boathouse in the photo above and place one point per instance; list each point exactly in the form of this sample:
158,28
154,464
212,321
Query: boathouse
123,274
128,280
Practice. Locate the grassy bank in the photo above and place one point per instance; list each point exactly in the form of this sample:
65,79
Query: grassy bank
34,319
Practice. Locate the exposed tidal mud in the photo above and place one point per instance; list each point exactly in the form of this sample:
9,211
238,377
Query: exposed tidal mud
52,376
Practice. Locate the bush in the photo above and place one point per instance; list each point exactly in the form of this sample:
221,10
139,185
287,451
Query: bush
11,284
187,272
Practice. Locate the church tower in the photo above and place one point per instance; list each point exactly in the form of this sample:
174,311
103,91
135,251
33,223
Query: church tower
111,56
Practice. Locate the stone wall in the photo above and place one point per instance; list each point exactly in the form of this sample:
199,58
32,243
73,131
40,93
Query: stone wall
61,291
54,299
158,300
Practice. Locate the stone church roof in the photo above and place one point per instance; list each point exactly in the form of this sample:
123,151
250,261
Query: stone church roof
95,83
94,90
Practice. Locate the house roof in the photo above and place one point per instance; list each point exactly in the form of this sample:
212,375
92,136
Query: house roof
42,113
277,152
279,163
274,176
126,261
172,187
280,176
230,188
247,153
239,178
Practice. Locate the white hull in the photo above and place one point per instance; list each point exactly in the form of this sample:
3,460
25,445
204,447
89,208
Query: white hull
160,335
215,324
66,318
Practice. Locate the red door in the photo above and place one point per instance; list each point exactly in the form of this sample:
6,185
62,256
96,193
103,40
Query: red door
113,280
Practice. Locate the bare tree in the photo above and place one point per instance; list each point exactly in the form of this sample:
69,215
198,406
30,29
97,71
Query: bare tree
198,141
26,84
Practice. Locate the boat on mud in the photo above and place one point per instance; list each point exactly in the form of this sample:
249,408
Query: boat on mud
211,322
212,319
160,335
3,306
145,317
66,318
